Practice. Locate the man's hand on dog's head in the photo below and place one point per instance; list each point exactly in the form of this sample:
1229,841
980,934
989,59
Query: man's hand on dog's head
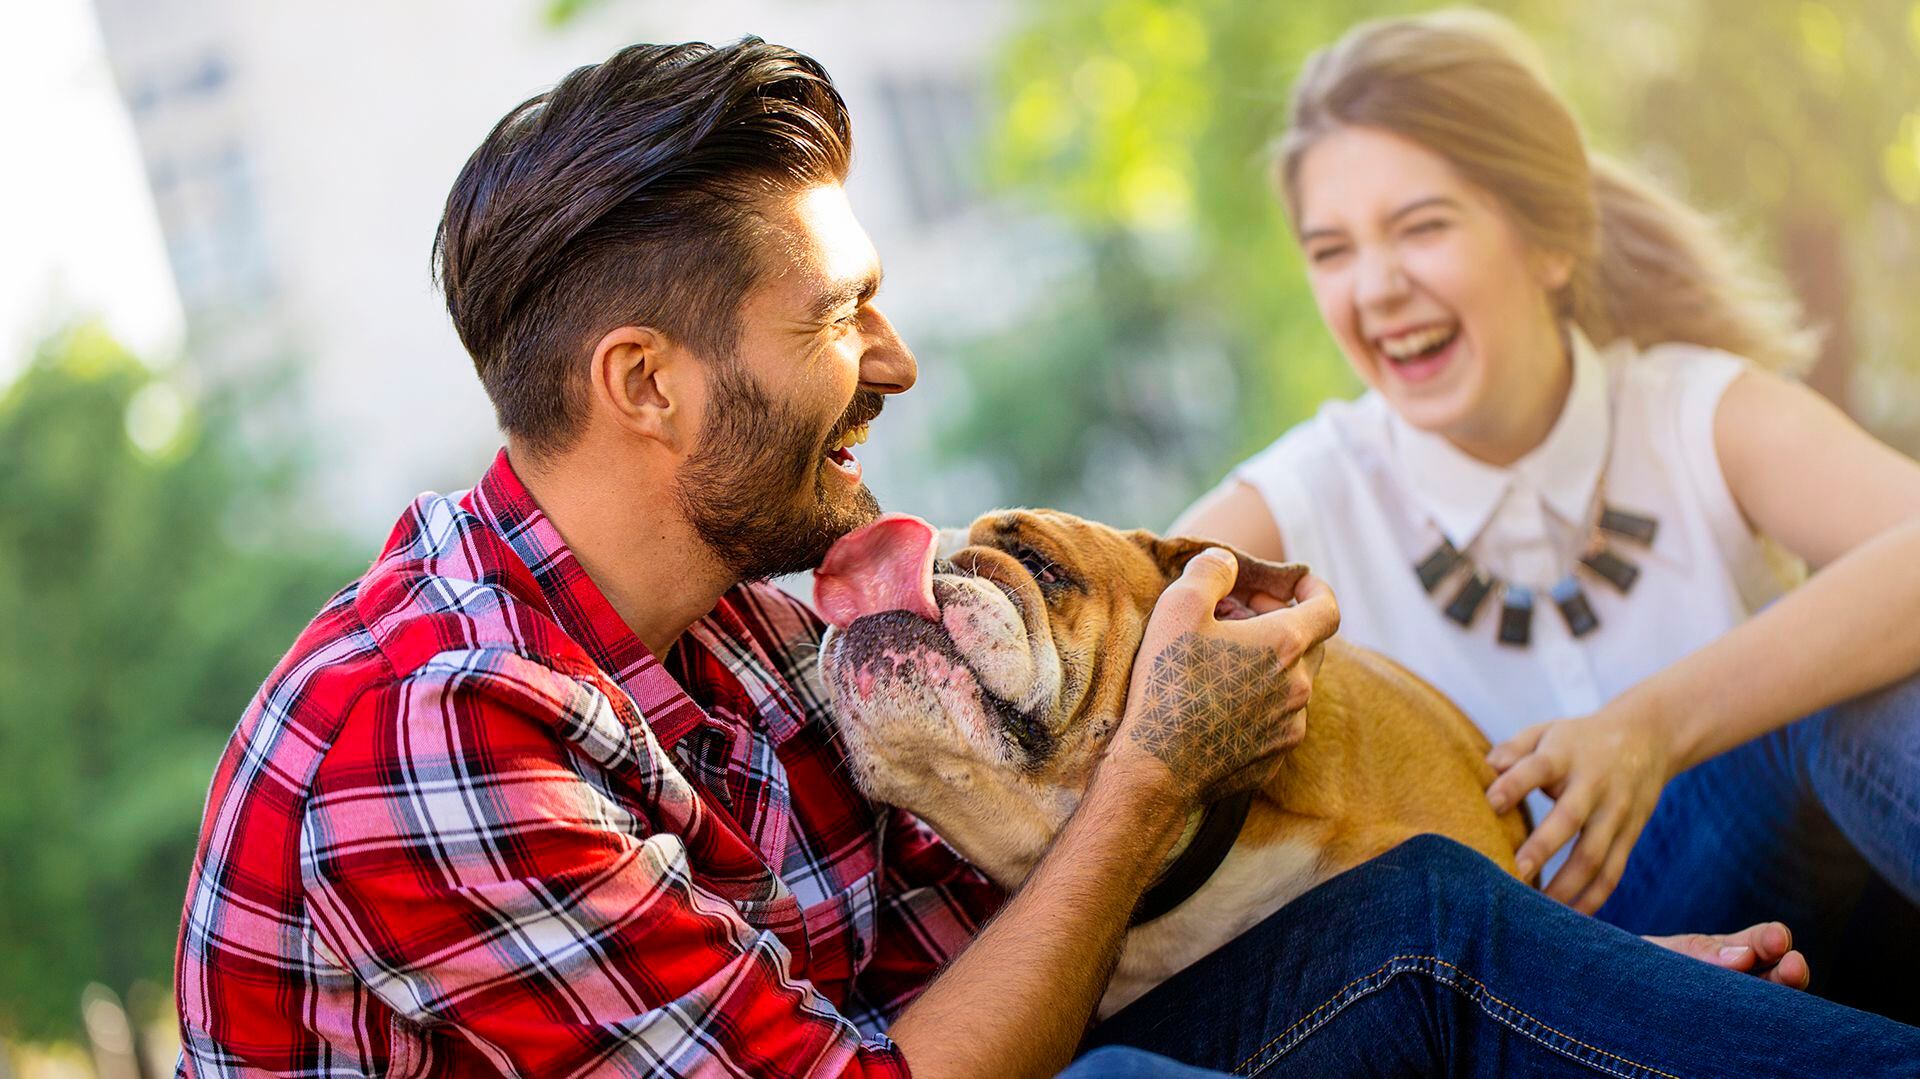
1216,704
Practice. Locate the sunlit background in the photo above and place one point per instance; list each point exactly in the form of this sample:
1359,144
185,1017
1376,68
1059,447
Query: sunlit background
224,369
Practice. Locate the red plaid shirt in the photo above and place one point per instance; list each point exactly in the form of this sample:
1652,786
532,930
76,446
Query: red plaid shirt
471,824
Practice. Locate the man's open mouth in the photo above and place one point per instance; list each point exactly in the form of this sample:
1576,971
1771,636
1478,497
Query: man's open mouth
840,451
842,444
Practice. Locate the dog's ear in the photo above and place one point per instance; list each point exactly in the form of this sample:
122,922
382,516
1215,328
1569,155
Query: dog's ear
1257,575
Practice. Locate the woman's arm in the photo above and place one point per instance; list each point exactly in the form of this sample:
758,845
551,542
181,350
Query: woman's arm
1234,514
1806,475
1809,477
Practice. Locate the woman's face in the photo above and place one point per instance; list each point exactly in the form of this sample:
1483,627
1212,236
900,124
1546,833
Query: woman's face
1430,290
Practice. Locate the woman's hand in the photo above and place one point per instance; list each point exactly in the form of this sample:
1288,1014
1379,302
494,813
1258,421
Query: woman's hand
1604,772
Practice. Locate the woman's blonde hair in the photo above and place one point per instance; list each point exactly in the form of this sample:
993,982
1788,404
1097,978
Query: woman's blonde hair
1468,86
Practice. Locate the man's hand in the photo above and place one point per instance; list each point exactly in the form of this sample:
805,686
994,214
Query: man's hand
1764,951
1217,703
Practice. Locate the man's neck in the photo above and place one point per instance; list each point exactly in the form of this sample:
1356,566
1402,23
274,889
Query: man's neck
634,545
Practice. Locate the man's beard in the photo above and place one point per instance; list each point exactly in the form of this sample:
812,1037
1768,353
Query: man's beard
757,489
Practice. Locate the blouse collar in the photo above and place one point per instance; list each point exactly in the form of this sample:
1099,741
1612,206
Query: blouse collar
1461,493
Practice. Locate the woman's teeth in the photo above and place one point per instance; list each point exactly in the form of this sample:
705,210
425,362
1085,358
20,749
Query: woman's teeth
852,436
1407,346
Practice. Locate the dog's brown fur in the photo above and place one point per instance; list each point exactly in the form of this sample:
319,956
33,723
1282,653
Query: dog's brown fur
1384,757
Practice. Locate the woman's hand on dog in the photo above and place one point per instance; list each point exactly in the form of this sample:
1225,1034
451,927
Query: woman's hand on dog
1217,703
1605,772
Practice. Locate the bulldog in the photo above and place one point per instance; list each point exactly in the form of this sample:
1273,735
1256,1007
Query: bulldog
977,685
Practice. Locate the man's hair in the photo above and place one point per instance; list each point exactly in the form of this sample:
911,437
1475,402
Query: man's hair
626,195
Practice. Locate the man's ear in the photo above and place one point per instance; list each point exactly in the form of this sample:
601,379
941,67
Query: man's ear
648,384
1257,575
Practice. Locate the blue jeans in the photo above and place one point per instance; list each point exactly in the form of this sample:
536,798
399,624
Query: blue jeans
1120,1062
1429,960
1816,825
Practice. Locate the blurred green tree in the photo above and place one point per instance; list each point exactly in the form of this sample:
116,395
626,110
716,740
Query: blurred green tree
1144,125
152,568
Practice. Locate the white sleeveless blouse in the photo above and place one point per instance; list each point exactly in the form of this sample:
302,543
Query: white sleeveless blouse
1360,496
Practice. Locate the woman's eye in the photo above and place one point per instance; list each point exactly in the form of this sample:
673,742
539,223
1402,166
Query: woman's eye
1427,227
1321,255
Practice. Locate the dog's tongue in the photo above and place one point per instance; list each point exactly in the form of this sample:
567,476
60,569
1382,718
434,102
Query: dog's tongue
886,566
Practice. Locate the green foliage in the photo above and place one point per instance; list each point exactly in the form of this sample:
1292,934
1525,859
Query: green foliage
1145,124
151,572
561,12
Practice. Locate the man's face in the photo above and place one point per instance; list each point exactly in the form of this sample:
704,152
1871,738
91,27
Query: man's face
773,480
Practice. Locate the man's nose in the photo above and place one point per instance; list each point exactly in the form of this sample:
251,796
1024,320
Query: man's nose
888,365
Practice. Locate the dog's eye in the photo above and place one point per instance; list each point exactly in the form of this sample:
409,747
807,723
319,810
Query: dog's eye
1037,564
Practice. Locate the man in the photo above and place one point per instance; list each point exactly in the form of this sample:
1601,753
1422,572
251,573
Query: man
549,790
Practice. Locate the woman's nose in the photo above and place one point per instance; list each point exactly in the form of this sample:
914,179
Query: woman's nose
1380,280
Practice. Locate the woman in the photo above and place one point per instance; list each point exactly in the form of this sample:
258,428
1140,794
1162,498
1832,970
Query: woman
1552,502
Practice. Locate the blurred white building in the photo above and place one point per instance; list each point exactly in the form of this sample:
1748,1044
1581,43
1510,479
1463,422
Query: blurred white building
299,155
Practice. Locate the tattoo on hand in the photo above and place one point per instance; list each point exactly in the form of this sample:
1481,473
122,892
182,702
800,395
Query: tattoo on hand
1211,708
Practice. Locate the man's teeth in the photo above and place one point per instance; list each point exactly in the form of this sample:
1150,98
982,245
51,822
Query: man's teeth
1408,345
852,436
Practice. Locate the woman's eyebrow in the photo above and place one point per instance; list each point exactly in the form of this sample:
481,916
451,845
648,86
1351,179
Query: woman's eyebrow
1426,202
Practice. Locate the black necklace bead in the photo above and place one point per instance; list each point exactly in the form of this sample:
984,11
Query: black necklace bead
1572,601
1617,571
1439,562
1466,602
1516,616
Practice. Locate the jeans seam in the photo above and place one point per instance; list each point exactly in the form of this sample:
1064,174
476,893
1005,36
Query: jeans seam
1424,964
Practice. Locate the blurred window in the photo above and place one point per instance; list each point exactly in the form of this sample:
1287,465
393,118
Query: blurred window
936,123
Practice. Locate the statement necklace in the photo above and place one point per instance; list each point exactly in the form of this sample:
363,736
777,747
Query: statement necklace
1516,600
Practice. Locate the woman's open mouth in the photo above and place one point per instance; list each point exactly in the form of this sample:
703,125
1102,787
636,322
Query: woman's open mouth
1419,354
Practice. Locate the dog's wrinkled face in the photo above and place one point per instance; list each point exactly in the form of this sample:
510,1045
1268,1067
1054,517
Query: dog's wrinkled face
977,685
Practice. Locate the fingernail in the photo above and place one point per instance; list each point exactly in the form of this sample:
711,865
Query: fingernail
1498,802
1733,952
1525,865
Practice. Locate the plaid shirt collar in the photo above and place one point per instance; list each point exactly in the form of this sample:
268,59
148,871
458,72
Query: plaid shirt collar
577,604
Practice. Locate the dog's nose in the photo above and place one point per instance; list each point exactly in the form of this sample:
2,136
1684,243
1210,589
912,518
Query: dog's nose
886,566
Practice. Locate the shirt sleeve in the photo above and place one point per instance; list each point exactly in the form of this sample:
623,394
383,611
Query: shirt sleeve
932,903
459,864
1281,473
1682,387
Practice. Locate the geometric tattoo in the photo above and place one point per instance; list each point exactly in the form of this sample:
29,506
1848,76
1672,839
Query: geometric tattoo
1211,707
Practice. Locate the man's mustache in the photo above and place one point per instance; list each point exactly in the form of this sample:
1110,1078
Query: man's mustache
865,407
